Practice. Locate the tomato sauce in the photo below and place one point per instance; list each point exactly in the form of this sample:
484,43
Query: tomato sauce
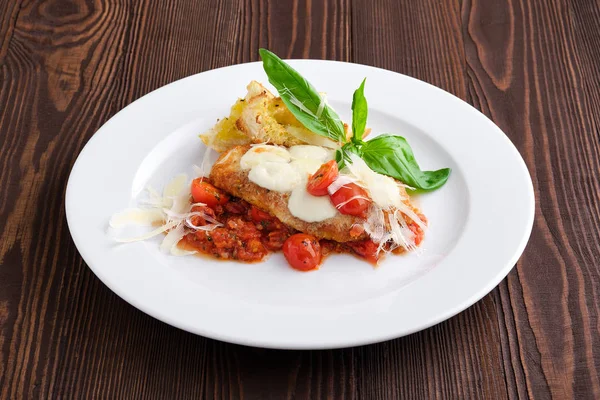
241,237
249,234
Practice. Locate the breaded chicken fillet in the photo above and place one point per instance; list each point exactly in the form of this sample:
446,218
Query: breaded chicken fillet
228,175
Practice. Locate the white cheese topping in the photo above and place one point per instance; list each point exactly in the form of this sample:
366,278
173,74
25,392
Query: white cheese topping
264,153
305,151
310,208
277,176
383,189
306,166
280,170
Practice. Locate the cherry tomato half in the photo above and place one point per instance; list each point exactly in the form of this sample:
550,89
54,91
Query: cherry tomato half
204,192
358,206
319,182
302,251
259,215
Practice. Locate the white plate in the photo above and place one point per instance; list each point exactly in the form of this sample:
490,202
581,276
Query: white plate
479,221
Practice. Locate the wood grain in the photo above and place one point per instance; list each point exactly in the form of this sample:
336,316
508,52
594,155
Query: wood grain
531,66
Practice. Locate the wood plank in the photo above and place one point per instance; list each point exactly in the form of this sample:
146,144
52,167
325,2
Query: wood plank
66,67
455,358
528,74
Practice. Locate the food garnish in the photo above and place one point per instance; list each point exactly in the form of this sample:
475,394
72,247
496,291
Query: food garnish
386,154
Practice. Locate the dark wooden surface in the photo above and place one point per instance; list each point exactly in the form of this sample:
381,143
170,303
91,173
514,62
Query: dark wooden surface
533,66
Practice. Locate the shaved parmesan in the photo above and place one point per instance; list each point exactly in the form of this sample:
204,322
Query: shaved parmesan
150,234
375,225
383,189
322,104
412,215
175,187
294,100
339,182
172,238
206,228
140,216
386,222
173,209
208,160
176,251
309,137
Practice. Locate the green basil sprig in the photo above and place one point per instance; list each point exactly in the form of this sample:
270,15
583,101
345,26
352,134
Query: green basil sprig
302,99
391,155
360,111
386,154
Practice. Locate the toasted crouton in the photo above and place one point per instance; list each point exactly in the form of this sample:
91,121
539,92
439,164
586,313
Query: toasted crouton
225,135
260,118
260,125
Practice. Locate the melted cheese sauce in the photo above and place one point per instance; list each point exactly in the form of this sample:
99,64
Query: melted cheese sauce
287,170
276,176
306,166
309,152
310,208
264,153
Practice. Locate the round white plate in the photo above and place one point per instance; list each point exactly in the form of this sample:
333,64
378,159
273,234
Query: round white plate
479,221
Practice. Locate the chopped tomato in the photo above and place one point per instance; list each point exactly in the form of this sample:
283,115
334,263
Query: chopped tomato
204,192
319,182
259,215
367,249
274,240
302,251
351,199
205,213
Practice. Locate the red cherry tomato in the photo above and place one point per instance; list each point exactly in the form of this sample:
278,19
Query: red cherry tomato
302,251
259,215
319,182
204,192
358,206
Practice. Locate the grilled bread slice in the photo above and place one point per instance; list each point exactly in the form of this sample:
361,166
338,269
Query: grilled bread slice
260,117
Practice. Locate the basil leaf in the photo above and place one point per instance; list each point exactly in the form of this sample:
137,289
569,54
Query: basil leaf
302,99
342,154
359,112
391,155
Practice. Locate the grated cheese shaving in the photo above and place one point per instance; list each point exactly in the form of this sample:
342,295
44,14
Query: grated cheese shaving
340,182
172,238
150,234
383,189
311,138
139,216
173,209
342,204
322,104
386,222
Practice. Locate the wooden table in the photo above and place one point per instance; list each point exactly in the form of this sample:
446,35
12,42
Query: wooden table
67,66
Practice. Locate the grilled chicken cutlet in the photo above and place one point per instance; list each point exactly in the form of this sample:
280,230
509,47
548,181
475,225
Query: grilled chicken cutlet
227,174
